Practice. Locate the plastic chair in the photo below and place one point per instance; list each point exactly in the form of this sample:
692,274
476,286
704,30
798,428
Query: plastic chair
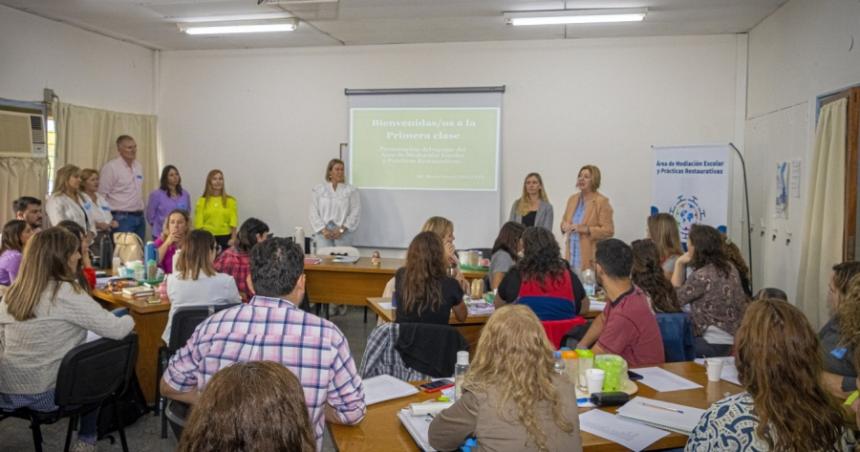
677,332
90,375
556,329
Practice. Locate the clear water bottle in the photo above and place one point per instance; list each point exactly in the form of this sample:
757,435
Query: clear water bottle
558,367
589,282
460,372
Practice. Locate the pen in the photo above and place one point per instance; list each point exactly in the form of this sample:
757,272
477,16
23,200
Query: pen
662,407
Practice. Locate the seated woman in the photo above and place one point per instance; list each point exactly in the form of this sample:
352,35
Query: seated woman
840,334
542,280
512,399
172,235
733,253
424,293
784,407
43,316
257,405
85,272
505,252
648,276
663,230
15,236
235,261
713,291
444,228
195,281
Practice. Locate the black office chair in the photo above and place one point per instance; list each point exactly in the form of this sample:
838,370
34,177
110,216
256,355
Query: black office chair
185,321
90,375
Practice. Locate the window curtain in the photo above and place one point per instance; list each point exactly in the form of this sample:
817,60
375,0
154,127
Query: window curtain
21,177
86,137
824,216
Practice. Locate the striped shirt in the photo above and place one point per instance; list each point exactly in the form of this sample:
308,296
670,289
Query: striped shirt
273,329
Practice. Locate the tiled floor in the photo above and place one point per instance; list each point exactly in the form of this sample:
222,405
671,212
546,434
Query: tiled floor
144,435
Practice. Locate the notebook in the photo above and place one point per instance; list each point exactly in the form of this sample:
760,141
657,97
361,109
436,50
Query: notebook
385,387
668,416
418,427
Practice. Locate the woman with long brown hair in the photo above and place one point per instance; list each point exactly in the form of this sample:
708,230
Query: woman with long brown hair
512,399
663,230
423,290
533,207
43,315
194,281
587,219
648,276
249,407
784,407
444,229
216,211
506,252
16,233
66,202
841,334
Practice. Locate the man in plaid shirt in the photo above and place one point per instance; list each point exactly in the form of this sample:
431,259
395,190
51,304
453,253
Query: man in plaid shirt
272,328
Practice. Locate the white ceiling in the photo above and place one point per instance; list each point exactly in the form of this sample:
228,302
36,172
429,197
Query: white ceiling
152,23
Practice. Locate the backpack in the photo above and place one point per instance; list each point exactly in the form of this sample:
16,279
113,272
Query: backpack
127,246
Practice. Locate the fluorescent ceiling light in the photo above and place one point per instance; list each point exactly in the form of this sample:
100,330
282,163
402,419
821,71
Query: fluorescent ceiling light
235,17
224,28
576,16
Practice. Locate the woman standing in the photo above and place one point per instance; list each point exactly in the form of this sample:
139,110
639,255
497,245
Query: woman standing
216,211
512,399
663,230
169,196
99,211
784,407
65,202
16,233
335,208
648,276
172,236
43,316
533,207
587,219
713,291
425,293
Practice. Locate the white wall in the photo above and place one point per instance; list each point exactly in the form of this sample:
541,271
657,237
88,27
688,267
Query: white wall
81,67
803,50
271,119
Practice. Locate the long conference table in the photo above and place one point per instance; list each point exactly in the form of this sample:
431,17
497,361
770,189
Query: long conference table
382,431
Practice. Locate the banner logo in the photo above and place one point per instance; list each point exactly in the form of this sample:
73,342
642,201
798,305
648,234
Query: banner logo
687,212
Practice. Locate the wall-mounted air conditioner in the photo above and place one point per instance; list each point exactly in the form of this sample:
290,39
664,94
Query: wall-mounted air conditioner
22,135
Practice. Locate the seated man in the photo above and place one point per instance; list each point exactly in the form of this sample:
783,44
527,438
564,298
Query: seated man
627,326
29,209
271,327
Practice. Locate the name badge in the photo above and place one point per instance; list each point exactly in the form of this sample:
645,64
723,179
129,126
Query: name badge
839,353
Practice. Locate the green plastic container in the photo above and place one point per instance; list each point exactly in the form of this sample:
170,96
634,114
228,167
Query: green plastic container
615,368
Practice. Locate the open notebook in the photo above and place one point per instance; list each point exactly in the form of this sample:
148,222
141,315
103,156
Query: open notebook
418,427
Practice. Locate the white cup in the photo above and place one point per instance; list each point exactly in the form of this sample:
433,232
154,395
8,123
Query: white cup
714,367
595,380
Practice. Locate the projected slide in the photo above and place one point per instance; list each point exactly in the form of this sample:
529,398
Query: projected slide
424,148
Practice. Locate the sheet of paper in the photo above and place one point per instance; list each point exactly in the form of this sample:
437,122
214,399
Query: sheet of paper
664,381
594,305
385,387
386,305
664,415
629,434
729,372
480,307
418,427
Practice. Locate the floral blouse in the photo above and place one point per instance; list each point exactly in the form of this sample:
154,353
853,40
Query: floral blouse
714,299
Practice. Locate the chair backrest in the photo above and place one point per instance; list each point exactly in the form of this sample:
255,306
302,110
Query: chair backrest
556,329
677,332
186,319
93,371
338,251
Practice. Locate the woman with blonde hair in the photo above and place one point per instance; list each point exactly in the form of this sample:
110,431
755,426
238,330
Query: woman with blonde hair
533,207
840,335
44,315
335,208
587,219
512,399
216,211
194,281
444,228
172,235
784,407
66,202
425,293
249,407
663,230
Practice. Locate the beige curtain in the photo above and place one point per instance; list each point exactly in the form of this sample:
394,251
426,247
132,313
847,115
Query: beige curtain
21,177
824,216
86,137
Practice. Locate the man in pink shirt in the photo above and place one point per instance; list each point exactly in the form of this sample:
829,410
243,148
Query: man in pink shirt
121,183
627,326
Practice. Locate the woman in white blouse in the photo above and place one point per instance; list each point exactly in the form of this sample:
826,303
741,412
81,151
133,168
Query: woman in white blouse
95,204
335,208
66,203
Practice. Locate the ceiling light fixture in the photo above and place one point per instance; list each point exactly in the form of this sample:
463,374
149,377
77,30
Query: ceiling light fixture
231,18
575,16
225,28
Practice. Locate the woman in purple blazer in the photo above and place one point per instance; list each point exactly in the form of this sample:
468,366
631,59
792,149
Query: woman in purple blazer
169,196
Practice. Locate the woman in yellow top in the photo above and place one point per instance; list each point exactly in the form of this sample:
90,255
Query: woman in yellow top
216,211
587,219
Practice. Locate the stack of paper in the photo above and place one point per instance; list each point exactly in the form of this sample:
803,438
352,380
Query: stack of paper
665,415
629,434
385,387
418,427
480,308
664,381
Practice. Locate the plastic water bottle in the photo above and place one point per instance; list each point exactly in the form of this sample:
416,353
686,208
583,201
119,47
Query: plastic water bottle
589,282
300,237
558,367
460,372
151,252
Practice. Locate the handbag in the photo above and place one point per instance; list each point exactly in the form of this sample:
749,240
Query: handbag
127,247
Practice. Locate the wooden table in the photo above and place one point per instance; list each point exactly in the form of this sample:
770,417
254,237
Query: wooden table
149,322
469,328
381,430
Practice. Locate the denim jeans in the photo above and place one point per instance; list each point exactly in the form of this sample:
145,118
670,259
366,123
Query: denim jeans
131,223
